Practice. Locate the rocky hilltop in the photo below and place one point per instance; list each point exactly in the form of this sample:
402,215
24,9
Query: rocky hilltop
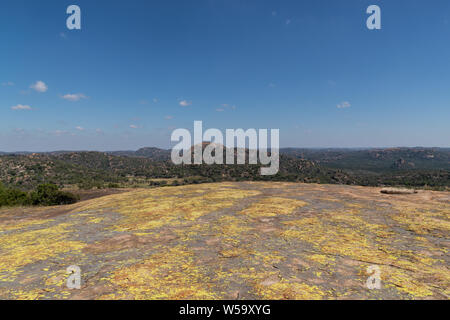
246,240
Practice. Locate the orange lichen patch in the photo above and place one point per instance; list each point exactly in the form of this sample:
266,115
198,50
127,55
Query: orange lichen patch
172,274
20,249
273,206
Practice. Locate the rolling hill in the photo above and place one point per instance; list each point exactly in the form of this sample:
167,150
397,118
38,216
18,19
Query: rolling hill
414,167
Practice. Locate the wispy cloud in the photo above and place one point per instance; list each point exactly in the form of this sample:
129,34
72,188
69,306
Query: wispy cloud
133,126
21,107
168,117
74,96
39,86
343,105
8,84
185,103
79,128
225,107
19,130
99,131
59,132
288,21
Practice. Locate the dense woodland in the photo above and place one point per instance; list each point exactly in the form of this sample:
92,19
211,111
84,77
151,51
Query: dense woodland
27,176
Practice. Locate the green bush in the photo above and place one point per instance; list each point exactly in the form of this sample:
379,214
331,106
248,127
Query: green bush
13,197
49,195
113,185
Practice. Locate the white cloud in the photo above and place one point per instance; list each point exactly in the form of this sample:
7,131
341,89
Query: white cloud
185,103
74,96
343,105
39,86
226,106
79,128
59,132
8,84
21,107
133,126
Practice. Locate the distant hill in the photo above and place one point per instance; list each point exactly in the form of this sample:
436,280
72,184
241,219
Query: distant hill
415,167
377,160
150,152
101,169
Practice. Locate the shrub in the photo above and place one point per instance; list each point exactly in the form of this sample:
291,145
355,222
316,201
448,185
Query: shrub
113,185
49,195
13,197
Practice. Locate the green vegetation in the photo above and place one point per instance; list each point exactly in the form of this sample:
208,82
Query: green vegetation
427,168
44,195
13,197
49,195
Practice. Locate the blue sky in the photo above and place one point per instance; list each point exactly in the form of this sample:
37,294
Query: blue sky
139,69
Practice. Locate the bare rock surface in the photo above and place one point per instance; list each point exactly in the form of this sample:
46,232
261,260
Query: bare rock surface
398,191
231,241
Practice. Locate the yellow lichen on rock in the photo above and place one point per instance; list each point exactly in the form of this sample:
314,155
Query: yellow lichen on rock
243,240
273,206
20,249
289,290
168,275
424,222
